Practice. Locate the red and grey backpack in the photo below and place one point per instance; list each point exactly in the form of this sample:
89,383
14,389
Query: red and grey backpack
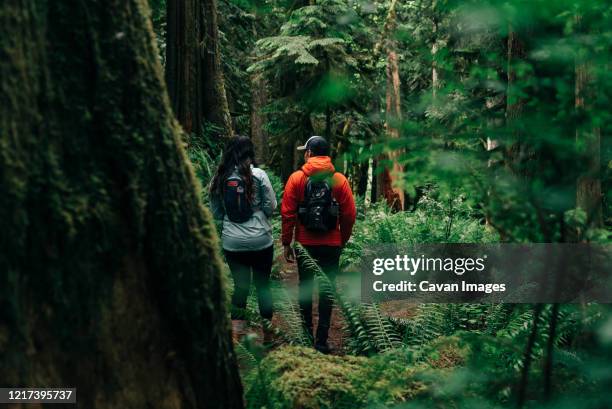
237,205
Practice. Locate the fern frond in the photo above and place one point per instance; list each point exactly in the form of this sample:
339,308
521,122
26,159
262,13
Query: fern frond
380,328
288,310
359,339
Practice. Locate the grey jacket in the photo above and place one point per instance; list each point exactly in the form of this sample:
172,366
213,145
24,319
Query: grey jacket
256,233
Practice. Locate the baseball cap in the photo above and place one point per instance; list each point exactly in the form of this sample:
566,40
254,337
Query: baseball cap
317,145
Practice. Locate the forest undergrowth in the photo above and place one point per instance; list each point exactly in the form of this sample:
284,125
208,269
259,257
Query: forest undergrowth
427,355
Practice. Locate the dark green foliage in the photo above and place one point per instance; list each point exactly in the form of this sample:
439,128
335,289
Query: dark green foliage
101,213
158,18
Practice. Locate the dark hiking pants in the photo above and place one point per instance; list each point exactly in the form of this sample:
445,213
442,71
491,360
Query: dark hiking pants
328,258
241,263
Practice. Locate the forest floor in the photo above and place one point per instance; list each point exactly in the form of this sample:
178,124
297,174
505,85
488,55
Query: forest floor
337,335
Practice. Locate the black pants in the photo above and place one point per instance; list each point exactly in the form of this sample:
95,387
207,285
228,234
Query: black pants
241,263
328,258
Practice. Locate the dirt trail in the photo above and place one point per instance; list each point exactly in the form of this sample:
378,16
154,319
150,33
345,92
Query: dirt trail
290,279
337,335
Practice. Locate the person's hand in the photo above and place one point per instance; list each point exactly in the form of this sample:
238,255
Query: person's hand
289,253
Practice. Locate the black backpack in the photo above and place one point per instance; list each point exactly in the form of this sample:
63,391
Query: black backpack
237,204
319,210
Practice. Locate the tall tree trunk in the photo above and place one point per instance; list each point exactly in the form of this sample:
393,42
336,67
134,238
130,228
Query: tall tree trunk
588,193
393,194
435,75
374,190
304,132
287,158
183,63
516,151
259,98
193,67
515,53
215,98
386,184
110,276
362,178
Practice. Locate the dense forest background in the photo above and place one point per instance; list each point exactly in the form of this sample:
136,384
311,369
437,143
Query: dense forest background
455,121
469,95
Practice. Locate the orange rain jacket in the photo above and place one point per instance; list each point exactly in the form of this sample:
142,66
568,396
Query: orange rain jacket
294,195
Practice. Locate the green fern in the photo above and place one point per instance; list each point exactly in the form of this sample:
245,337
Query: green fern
427,324
255,377
359,341
498,317
381,330
288,310
369,331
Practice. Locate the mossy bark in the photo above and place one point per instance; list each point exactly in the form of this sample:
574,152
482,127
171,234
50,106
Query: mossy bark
109,276
193,67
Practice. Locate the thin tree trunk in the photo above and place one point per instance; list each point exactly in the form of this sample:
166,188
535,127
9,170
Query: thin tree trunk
305,131
259,98
193,67
287,159
516,152
362,178
515,52
328,122
550,349
528,356
395,196
374,193
588,193
110,273
435,75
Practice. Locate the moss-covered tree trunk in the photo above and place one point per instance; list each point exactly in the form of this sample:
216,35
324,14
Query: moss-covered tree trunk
109,277
193,67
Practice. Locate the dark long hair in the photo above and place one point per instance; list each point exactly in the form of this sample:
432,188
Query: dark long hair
238,153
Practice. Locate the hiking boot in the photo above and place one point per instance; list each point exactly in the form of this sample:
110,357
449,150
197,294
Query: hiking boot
323,348
268,336
321,341
238,330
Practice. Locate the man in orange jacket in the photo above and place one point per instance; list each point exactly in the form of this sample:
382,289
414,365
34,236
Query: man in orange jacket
319,209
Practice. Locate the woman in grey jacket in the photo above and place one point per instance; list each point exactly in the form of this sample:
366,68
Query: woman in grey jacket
247,239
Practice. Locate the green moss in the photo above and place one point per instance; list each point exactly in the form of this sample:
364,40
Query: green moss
308,379
448,368
305,378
